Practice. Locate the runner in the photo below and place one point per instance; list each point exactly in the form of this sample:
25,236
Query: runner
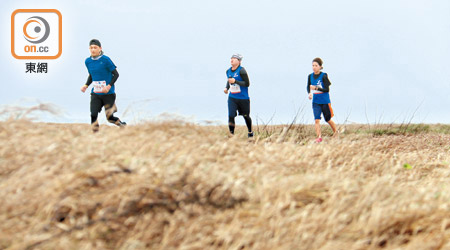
103,74
238,99
318,90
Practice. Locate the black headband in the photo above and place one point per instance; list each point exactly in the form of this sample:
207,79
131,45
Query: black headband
95,42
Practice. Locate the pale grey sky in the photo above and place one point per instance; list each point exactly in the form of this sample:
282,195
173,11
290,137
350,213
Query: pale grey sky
384,58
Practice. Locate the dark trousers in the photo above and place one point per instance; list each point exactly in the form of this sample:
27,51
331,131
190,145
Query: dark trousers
243,107
100,101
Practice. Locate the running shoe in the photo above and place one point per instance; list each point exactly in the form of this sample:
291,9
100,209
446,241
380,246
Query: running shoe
121,123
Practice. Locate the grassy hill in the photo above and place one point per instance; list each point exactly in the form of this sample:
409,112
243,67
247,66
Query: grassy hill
178,185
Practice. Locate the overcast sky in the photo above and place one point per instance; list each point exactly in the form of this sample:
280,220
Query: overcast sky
385,59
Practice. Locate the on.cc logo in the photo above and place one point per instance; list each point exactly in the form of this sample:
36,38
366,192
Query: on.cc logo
36,34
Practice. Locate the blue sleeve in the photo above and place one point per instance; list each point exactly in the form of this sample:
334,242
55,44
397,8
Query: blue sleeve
86,63
109,64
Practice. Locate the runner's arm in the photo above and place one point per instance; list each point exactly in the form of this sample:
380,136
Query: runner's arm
227,86
89,80
114,77
326,84
244,76
308,84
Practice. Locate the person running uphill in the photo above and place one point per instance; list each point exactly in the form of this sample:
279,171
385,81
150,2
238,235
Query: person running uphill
238,99
102,74
318,88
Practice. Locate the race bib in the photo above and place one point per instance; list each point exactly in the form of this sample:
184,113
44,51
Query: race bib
235,88
317,91
98,86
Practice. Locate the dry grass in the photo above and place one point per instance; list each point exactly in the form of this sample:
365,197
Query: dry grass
177,185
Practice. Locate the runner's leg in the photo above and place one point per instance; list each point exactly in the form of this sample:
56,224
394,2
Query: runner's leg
232,108
231,124
328,114
96,107
333,127
111,108
317,110
317,127
248,122
245,108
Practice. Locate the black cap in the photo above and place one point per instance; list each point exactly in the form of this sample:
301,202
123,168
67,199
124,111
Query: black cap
95,42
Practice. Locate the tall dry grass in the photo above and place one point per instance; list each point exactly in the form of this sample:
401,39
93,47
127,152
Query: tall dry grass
176,185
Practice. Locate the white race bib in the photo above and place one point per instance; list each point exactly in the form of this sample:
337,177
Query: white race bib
235,89
98,86
317,91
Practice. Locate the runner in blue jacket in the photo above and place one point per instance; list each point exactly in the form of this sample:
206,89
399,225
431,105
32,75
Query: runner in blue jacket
238,99
318,89
102,74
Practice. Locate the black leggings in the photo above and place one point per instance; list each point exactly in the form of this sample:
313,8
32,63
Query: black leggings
107,101
232,124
